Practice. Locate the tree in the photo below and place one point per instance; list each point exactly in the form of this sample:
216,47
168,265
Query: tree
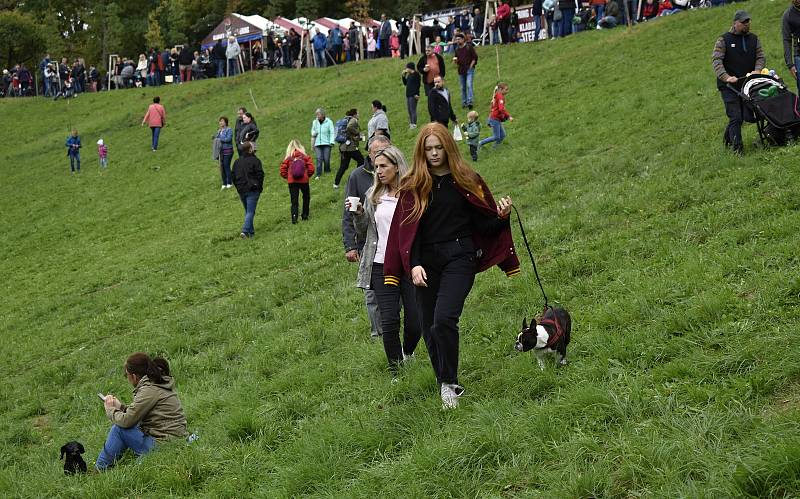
22,37
153,36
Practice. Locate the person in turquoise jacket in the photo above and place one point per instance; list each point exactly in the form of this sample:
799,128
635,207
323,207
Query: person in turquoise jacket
73,146
323,137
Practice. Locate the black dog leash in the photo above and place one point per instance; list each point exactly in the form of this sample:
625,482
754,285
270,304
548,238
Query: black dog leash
530,253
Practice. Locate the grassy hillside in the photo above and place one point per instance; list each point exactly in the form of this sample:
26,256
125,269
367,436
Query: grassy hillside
677,260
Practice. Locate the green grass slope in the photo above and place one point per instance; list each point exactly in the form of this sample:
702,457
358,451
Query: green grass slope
678,262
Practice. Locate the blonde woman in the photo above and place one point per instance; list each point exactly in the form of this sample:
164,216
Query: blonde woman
141,68
447,227
297,167
372,222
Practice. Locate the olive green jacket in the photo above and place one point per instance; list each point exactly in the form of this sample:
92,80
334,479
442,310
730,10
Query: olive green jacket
155,408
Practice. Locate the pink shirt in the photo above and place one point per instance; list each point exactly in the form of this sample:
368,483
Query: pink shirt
156,116
102,151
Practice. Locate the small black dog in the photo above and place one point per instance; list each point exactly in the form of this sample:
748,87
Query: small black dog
551,335
74,462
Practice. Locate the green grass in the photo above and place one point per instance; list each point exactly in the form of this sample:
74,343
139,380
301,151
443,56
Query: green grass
677,260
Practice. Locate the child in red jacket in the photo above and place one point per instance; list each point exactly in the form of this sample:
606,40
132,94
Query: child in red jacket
297,167
497,116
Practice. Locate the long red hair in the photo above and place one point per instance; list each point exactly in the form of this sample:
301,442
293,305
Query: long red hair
418,180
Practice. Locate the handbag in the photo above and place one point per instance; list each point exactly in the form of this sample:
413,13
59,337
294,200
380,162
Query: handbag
457,135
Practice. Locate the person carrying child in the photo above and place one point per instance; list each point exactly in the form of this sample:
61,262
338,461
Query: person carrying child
73,146
472,130
297,167
497,116
102,153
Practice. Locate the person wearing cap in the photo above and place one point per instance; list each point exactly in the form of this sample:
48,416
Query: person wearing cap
790,28
411,79
737,53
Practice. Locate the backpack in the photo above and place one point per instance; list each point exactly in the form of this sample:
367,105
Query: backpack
341,130
297,168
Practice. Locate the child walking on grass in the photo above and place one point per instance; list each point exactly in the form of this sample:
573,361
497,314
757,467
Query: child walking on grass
102,152
73,145
297,167
497,116
472,131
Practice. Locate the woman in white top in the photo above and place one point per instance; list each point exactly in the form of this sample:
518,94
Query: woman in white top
372,222
141,68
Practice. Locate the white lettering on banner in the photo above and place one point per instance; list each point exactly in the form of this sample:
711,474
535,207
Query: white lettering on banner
528,36
527,26
243,30
218,36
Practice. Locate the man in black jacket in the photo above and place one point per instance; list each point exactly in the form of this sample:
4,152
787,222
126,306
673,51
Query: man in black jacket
439,103
736,54
790,27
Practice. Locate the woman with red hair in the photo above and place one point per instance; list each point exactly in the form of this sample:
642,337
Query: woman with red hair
446,228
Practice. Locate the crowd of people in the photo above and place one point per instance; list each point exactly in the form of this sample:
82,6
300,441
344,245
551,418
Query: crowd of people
421,228
552,19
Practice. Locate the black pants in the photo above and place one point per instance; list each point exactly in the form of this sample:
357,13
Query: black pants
345,162
294,191
737,114
503,25
473,152
390,299
450,268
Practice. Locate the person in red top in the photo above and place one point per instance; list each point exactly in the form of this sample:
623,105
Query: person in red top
429,67
446,228
497,116
156,118
297,167
503,17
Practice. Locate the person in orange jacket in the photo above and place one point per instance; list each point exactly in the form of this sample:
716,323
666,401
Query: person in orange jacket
297,167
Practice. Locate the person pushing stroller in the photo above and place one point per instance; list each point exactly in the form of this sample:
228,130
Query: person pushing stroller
736,54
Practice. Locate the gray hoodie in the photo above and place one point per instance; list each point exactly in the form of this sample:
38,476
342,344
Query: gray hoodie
379,121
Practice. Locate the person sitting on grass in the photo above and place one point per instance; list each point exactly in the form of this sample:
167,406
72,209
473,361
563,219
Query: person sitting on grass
154,415
611,17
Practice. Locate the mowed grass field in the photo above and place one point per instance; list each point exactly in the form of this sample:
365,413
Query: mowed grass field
678,261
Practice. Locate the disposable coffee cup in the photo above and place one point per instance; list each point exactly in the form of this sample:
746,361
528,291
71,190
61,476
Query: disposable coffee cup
354,201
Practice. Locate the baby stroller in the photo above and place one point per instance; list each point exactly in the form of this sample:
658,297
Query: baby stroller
776,109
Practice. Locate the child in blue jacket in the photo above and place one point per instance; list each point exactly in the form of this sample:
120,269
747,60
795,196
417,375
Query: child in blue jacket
73,145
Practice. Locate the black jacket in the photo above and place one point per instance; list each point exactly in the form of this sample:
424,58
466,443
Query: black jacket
248,175
186,57
440,108
248,132
411,82
218,52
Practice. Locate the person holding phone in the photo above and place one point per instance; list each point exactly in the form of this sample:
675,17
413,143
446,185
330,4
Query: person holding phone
156,413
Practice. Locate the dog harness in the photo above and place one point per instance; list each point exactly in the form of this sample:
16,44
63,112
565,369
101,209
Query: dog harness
553,339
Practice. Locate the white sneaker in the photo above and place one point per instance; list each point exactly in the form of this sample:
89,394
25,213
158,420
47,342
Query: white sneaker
408,358
229,186
449,397
412,126
335,186
223,187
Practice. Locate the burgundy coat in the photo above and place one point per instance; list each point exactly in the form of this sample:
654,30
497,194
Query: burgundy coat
497,249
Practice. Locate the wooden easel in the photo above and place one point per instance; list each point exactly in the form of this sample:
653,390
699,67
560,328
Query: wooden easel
415,37
112,64
491,5
305,48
